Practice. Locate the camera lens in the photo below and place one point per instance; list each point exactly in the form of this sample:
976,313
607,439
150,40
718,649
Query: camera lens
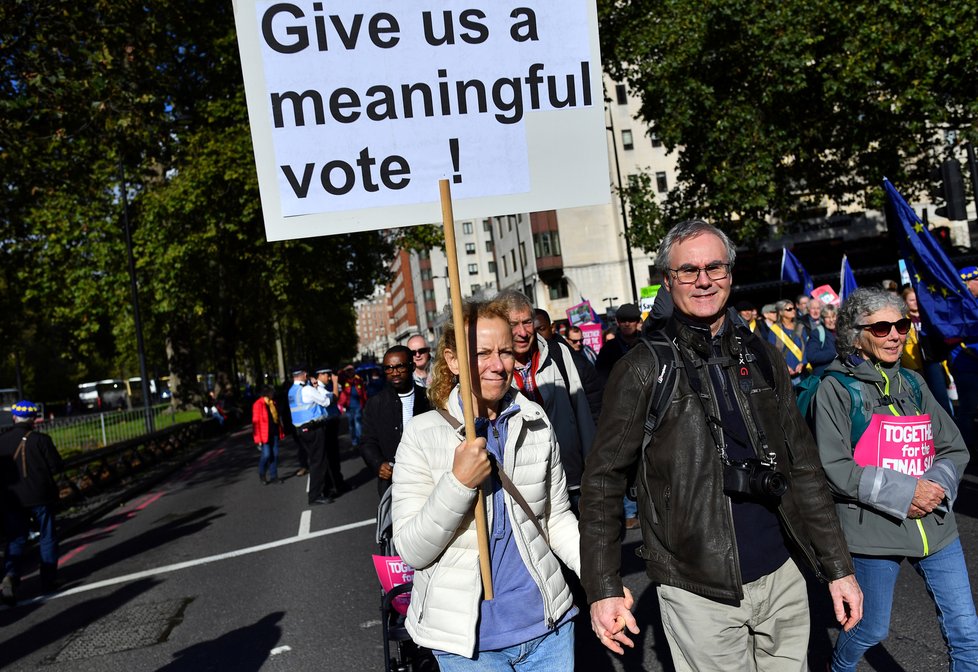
770,483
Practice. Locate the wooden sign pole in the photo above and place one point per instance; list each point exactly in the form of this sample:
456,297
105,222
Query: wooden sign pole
464,375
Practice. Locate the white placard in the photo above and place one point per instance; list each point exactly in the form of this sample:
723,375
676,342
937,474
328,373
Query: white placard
358,108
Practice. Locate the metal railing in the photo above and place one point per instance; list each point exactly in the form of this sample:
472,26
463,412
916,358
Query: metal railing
83,433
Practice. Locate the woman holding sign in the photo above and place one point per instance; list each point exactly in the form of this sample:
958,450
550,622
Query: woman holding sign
526,625
893,458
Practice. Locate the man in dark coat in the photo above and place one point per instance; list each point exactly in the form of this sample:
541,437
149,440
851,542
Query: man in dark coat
28,463
387,413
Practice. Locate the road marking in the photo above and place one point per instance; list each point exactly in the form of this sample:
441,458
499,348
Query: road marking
166,569
370,624
280,649
305,522
125,514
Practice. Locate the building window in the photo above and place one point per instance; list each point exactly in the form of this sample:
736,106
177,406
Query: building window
473,269
429,295
655,140
523,253
470,248
627,142
546,244
559,289
490,245
426,274
505,266
487,225
474,289
661,184
423,254
492,266
466,227
511,219
512,254
621,93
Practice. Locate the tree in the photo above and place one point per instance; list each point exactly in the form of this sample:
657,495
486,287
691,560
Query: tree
104,96
778,107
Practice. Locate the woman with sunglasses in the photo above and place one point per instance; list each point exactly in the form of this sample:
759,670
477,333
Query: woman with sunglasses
893,459
785,336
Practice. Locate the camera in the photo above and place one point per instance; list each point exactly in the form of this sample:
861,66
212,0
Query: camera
753,478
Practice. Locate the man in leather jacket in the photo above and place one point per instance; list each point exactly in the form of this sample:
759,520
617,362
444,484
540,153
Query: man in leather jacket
723,551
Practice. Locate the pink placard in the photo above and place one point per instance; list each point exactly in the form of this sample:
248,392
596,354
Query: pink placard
392,571
904,444
826,295
592,335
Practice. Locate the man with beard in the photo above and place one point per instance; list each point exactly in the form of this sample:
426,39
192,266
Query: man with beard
388,413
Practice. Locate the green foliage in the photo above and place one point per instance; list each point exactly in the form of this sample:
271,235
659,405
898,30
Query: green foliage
97,95
775,107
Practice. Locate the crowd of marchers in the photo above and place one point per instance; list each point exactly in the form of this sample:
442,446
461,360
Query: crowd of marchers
748,451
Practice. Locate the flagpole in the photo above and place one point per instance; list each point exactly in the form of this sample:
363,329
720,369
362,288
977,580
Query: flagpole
465,376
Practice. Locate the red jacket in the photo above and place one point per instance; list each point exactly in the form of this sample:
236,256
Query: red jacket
260,421
345,392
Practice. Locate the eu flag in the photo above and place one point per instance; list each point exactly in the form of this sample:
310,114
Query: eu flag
847,281
793,271
941,293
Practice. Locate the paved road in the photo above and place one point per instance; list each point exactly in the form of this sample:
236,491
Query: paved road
213,571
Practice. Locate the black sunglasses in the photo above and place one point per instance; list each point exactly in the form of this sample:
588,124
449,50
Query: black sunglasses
420,351
882,328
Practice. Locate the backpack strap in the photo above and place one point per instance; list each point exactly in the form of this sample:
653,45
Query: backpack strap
666,363
858,419
915,391
505,480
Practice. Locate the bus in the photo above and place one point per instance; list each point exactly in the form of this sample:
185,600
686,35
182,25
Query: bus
8,397
103,395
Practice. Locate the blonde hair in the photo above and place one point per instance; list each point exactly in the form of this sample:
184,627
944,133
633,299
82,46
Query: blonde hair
442,378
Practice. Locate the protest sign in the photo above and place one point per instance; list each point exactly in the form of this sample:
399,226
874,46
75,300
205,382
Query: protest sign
826,295
580,313
358,108
647,299
592,336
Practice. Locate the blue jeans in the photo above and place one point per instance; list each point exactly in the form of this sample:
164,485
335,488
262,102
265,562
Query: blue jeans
355,417
550,652
631,508
268,463
946,577
17,522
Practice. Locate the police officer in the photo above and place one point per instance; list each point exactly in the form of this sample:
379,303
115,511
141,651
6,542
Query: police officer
307,405
329,384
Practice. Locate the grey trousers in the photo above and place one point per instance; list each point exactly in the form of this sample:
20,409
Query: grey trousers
767,632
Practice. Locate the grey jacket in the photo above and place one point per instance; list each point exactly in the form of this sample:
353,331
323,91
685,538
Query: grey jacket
872,502
566,404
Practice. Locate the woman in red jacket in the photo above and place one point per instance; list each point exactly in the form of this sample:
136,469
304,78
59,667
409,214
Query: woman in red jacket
266,428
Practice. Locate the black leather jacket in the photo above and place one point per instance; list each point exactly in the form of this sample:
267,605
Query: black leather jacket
687,524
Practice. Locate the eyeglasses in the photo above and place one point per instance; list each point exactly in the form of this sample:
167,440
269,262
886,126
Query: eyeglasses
882,328
575,341
788,309
687,275
395,367
420,351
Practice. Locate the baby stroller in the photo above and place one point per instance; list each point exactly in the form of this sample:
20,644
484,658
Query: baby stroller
401,654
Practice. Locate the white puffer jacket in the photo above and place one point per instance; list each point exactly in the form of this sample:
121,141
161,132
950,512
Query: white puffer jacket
434,523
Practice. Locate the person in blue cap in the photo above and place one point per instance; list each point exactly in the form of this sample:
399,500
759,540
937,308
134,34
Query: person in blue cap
964,368
28,463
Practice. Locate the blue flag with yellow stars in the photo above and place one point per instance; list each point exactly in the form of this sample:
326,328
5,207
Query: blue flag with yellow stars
943,297
793,271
